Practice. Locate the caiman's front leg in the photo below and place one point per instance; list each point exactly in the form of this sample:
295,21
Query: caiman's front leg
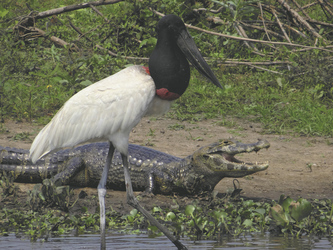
73,167
159,181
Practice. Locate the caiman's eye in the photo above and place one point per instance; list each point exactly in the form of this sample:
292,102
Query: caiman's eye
205,156
225,143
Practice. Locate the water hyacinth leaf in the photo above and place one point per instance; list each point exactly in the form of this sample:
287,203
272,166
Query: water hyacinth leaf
279,215
153,229
248,203
171,216
219,215
322,219
260,211
157,209
133,212
130,218
189,210
286,203
301,209
247,223
191,223
201,223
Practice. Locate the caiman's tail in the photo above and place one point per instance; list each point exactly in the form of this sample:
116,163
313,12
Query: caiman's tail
16,162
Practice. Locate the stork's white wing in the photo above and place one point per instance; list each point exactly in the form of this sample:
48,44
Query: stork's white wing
105,110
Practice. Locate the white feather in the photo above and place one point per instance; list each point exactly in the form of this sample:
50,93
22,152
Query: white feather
105,110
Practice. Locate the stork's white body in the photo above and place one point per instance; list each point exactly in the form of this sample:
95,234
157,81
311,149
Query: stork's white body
104,111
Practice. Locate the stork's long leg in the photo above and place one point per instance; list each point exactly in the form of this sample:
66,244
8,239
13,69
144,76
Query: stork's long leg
102,192
131,200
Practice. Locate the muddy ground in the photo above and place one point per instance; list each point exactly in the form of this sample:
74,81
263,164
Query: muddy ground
299,166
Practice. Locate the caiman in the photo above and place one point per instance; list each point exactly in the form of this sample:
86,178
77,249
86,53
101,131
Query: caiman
151,170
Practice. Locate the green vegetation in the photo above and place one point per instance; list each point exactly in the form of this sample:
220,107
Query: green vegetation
38,75
293,94
208,219
53,210
288,212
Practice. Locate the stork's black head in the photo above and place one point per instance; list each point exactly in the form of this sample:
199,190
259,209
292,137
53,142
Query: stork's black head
168,63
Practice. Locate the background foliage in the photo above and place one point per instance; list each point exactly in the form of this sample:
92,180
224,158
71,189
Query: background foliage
37,76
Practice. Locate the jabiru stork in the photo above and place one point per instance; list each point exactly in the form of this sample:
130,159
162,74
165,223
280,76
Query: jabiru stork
108,109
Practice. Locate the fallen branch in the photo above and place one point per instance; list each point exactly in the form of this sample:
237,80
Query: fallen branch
281,26
301,9
246,39
308,5
254,40
54,39
30,19
263,29
264,69
78,30
320,23
295,30
242,33
299,18
325,8
263,20
233,64
270,23
98,12
60,10
269,63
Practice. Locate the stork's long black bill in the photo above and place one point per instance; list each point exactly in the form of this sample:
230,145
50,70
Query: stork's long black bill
186,43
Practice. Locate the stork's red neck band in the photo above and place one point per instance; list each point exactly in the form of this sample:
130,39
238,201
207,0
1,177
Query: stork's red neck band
165,94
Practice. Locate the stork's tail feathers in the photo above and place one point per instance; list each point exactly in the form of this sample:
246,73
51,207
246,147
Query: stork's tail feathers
40,146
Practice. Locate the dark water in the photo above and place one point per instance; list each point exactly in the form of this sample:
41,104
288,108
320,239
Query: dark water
124,241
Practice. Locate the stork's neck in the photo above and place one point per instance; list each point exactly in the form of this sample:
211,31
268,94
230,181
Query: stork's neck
169,68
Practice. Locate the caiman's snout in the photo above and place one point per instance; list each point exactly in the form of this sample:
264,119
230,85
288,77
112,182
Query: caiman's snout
220,157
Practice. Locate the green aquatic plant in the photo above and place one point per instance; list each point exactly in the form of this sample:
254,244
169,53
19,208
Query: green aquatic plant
210,219
48,194
289,212
7,186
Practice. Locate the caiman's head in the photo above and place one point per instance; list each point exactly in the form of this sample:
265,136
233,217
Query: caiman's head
220,158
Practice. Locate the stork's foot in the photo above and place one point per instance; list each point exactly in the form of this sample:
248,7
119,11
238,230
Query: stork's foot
133,202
